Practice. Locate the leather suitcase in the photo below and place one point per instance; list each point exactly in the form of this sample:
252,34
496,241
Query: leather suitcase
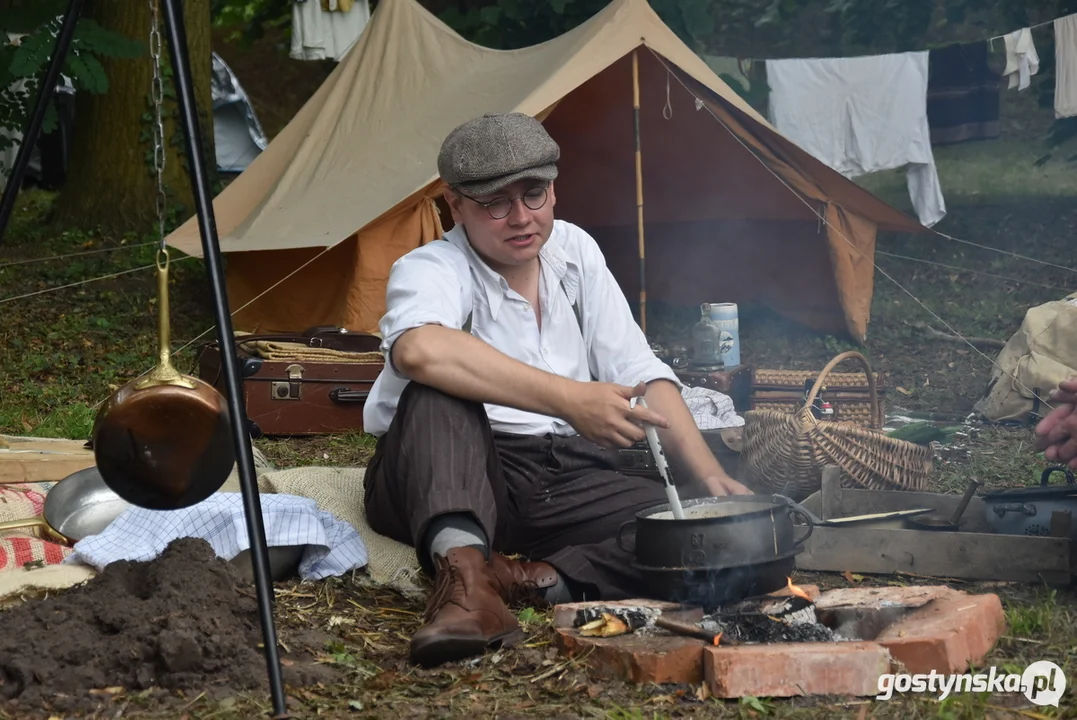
311,383
736,382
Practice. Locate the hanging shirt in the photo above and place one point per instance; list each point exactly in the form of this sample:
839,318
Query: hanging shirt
861,115
445,283
1022,62
1066,66
318,34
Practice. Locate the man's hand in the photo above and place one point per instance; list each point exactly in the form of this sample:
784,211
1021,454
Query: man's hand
1066,392
725,485
603,413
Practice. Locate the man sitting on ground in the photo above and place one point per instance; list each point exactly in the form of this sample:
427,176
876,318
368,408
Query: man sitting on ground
512,358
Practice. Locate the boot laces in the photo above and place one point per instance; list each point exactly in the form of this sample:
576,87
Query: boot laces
449,580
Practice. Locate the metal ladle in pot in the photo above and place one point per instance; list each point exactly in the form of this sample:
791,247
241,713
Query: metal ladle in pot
164,441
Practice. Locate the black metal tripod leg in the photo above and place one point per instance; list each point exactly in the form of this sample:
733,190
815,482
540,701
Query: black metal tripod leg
177,40
37,117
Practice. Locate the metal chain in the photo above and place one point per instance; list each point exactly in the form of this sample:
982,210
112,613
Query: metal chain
157,96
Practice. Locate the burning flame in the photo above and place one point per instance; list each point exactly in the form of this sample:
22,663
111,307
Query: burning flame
717,639
795,590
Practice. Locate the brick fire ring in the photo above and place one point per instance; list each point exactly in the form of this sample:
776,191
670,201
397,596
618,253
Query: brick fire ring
936,628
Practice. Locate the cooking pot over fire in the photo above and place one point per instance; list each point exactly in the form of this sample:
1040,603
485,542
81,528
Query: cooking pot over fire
724,549
164,441
718,532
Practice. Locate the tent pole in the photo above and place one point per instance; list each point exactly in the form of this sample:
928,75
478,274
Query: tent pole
639,195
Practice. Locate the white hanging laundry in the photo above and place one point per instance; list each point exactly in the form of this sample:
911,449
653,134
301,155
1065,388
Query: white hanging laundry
326,33
861,115
1066,66
1022,62
332,547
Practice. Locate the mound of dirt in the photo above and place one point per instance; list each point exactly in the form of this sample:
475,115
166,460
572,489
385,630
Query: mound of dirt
182,621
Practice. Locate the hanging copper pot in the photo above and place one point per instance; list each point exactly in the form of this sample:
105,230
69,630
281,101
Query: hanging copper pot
164,441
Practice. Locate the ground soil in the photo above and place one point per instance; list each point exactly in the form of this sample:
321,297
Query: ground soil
183,621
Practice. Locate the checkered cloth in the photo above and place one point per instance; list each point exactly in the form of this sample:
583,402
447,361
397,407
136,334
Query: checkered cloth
332,547
711,409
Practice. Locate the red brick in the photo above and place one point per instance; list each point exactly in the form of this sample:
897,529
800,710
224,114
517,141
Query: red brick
638,658
564,615
906,596
946,635
787,669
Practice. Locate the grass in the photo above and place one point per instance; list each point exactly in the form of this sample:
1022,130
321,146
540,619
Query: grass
62,353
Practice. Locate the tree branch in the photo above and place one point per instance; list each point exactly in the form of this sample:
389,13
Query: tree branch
939,335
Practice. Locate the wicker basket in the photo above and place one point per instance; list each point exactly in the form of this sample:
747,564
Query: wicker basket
786,452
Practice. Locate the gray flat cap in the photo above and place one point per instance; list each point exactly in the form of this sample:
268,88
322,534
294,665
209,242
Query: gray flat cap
486,154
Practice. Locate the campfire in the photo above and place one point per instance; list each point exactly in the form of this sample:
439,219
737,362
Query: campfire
764,619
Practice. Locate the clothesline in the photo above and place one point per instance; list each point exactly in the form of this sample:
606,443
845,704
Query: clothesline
990,39
1031,27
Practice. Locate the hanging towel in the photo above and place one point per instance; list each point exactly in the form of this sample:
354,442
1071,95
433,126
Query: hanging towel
320,34
861,115
1066,66
1022,62
332,546
962,94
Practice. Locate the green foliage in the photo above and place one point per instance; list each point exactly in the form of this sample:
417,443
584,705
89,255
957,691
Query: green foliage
23,65
251,16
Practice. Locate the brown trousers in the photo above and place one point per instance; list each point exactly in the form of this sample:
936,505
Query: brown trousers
551,498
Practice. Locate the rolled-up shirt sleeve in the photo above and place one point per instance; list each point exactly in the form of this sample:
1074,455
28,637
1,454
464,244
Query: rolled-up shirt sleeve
428,286
618,349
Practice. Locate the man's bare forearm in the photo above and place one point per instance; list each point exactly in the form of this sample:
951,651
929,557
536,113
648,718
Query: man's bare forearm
455,362
682,439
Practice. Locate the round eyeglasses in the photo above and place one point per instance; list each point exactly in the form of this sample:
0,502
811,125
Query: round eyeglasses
499,208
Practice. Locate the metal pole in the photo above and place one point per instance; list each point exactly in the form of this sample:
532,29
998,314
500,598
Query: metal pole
639,195
177,40
37,117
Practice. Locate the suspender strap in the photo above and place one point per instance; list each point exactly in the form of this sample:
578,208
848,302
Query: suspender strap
575,311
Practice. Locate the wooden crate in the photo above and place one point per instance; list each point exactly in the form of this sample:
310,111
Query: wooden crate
974,553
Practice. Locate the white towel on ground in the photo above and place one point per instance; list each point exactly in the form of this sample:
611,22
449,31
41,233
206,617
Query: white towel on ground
332,547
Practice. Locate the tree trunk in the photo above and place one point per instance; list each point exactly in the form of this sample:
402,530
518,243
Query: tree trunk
110,182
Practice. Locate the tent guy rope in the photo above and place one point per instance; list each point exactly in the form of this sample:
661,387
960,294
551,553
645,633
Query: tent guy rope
957,268
839,233
82,253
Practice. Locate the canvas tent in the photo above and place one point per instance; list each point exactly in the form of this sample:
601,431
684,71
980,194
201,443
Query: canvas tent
730,205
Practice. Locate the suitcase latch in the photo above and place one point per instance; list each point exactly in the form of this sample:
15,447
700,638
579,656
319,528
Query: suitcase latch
288,390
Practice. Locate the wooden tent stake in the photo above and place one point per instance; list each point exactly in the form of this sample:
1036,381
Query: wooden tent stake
639,195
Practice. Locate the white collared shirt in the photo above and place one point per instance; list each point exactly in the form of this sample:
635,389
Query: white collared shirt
443,282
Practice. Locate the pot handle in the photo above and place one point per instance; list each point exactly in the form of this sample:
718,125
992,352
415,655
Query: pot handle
1045,478
797,509
1021,508
36,522
620,535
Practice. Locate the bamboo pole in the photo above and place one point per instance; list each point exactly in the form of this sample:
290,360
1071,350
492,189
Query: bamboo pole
639,195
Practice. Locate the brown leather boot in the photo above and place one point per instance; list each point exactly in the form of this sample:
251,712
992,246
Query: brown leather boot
466,614
522,582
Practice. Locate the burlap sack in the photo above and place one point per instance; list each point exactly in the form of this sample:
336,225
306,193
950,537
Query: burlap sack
1040,355
339,491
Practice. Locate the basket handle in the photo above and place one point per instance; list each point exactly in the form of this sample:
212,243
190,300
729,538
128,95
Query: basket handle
875,420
